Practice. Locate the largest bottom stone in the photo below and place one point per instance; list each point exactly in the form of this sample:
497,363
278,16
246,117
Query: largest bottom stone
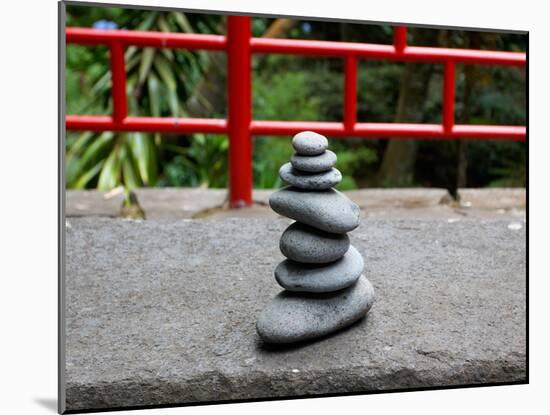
293,317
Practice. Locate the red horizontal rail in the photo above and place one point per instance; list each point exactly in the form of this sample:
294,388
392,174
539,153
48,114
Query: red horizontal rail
391,52
146,124
265,127
398,130
85,36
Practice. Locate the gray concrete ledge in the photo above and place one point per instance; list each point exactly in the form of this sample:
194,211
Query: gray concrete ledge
406,203
163,311
493,198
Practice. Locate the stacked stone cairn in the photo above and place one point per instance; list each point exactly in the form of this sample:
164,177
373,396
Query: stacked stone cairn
322,275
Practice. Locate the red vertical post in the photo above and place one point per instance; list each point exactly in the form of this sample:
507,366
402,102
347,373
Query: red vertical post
399,38
350,93
118,83
449,97
240,111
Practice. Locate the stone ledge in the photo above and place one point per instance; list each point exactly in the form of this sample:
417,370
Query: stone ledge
406,203
489,198
170,202
162,312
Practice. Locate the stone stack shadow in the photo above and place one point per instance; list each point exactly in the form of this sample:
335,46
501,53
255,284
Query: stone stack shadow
322,275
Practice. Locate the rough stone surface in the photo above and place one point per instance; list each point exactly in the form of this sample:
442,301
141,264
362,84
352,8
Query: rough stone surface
308,245
158,203
164,311
375,204
405,198
327,210
314,164
308,143
320,278
310,181
497,198
293,317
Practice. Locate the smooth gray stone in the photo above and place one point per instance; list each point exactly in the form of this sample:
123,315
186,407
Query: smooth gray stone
314,164
308,143
305,244
310,181
328,210
335,276
293,317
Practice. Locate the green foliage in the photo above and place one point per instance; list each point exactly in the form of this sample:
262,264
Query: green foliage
352,162
161,81
284,96
281,96
158,82
203,163
107,160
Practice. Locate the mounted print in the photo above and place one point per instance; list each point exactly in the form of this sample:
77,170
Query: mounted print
272,207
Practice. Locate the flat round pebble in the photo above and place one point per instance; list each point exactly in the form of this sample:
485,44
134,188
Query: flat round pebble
293,317
308,143
328,210
314,164
310,181
335,276
308,245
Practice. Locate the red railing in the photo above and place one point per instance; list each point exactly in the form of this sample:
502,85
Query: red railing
239,45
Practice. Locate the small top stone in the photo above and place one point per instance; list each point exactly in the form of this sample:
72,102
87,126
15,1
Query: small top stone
314,164
308,143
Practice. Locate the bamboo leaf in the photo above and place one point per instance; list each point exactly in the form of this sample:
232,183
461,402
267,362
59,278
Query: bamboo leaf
163,68
167,76
102,83
133,106
94,151
79,144
143,150
173,102
130,52
109,177
154,95
146,60
130,174
182,22
168,54
148,21
163,24
87,176
132,63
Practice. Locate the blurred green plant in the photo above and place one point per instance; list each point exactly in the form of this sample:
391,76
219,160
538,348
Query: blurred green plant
203,163
158,81
278,96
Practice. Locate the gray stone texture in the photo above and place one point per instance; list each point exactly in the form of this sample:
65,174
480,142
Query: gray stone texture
308,143
410,203
308,245
314,164
163,311
310,181
496,198
292,317
320,278
328,210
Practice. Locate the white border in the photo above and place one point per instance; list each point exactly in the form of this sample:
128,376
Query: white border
28,99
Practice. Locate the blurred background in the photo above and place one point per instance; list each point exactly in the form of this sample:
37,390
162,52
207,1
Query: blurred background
181,83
